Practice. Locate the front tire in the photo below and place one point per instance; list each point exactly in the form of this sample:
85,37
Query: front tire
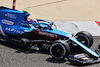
59,49
85,38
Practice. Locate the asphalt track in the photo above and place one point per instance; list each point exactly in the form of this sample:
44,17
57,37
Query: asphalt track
15,56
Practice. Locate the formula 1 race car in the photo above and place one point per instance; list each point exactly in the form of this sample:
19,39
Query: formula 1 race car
35,34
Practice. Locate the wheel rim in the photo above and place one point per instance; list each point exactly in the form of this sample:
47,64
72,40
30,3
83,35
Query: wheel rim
58,51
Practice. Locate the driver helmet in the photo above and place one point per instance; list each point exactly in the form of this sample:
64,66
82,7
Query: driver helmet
25,10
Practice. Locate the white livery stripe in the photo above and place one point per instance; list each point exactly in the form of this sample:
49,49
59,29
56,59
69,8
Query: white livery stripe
14,4
1,31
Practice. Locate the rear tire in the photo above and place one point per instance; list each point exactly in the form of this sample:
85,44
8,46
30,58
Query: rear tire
59,49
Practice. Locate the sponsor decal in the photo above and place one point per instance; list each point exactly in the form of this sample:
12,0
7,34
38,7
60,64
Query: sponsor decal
25,24
7,22
46,34
14,30
10,15
74,59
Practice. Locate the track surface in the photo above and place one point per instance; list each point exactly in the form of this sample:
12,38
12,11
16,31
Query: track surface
15,56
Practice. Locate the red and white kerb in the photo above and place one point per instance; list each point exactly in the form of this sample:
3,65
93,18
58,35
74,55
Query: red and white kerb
98,23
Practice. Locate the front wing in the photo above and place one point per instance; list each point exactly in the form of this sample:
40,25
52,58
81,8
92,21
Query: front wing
82,59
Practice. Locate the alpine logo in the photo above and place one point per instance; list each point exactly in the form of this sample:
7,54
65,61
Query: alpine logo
46,34
7,22
14,30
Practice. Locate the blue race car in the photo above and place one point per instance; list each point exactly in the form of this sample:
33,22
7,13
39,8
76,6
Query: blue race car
35,34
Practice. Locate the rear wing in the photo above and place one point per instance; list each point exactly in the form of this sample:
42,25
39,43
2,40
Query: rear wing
2,8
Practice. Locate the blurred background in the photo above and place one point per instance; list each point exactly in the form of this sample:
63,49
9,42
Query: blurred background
59,10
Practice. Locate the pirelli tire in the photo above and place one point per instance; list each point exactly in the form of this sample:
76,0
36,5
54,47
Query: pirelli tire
85,38
60,49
